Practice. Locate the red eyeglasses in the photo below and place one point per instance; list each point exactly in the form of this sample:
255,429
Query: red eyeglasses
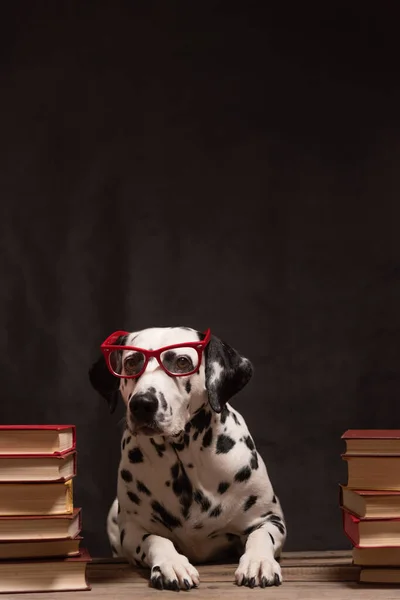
130,362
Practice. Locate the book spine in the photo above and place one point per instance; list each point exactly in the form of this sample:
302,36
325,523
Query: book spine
69,497
351,528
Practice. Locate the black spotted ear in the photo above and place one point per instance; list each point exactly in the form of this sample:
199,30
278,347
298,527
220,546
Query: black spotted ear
226,372
105,383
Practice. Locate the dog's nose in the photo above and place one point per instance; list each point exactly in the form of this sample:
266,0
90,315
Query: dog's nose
143,407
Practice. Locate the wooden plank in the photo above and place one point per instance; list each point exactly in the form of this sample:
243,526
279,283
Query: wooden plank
288,591
307,567
296,556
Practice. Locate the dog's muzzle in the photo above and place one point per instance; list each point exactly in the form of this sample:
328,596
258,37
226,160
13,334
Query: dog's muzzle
143,409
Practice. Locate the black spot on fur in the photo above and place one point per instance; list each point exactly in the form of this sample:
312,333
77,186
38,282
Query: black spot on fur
223,486
277,521
254,460
126,475
252,528
119,508
138,549
272,539
123,444
182,488
188,387
249,443
201,421
113,548
178,446
146,535
251,500
190,466
167,519
142,488
122,536
163,401
186,439
135,455
156,569
224,444
175,470
224,414
207,438
216,511
188,427
235,419
167,483
160,448
134,497
202,500
243,475
267,514
115,520
128,439
274,499
143,556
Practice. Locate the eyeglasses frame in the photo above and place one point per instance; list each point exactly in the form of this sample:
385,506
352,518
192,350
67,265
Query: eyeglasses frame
107,347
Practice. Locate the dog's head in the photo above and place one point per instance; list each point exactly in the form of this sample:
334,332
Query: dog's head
158,401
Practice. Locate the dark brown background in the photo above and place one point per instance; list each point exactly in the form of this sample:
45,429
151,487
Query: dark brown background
193,163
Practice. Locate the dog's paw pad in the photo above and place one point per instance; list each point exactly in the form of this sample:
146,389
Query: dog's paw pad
174,574
263,572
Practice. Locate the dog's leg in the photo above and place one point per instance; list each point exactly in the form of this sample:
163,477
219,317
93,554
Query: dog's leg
258,564
169,569
113,529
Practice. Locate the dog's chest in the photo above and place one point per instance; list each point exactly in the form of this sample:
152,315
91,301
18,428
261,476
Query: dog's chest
156,473
174,494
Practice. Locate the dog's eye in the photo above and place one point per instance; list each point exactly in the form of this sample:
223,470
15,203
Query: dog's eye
176,363
133,364
183,364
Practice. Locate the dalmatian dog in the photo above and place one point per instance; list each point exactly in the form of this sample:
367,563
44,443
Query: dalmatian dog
192,487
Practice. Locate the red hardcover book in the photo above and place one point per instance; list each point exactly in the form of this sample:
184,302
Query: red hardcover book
372,441
37,439
44,527
37,467
371,533
45,575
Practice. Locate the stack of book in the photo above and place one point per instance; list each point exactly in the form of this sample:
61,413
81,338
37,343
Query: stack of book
39,526
371,503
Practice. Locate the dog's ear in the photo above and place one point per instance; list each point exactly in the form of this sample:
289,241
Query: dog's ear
104,382
226,372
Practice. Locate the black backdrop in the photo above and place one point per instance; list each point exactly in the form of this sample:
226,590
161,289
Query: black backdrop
193,163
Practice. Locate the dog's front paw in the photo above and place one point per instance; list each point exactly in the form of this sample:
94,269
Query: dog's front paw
174,574
255,571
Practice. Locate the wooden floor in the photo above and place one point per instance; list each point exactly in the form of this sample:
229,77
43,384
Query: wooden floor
307,576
